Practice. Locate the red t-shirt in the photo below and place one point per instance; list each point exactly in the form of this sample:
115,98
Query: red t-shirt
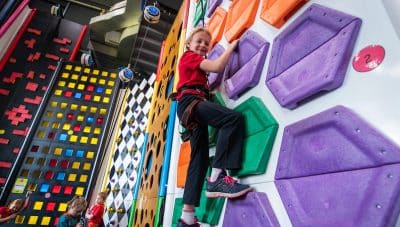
97,211
190,73
5,212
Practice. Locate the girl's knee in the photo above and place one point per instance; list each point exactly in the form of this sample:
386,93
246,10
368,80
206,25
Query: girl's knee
238,117
239,120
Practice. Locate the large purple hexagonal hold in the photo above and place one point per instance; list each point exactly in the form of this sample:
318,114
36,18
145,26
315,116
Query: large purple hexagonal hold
214,79
367,197
332,141
245,65
211,6
311,55
252,210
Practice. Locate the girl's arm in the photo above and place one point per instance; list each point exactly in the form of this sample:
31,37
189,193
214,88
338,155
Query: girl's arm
7,218
218,64
26,203
88,215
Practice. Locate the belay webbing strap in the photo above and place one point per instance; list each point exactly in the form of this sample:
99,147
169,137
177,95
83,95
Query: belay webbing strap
204,92
187,119
199,88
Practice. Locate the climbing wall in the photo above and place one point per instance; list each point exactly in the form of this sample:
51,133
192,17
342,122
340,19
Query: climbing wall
315,82
63,152
26,70
150,201
125,158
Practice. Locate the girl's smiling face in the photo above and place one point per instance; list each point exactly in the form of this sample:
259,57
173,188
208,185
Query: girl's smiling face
200,43
99,199
15,205
76,210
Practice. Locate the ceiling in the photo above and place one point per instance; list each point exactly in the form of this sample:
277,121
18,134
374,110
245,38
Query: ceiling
172,4
139,42
150,37
140,47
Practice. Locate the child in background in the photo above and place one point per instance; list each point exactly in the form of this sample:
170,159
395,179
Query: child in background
95,213
196,113
15,206
72,217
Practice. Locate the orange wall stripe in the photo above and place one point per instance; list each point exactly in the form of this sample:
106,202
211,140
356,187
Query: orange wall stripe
160,60
183,164
186,14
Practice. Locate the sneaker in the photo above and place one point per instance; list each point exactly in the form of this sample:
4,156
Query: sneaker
226,187
182,223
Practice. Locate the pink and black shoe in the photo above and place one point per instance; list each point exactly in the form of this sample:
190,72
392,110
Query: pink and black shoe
226,187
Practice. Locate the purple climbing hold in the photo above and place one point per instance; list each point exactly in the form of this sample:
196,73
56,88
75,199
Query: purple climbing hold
252,210
334,140
214,79
311,55
366,197
245,65
211,6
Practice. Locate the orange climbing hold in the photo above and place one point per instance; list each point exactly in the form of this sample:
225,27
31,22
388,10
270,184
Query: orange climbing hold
241,16
183,164
216,25
277,12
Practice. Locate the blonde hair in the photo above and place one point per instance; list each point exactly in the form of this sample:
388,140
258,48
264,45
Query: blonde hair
195,31
103,195
78,202
18,203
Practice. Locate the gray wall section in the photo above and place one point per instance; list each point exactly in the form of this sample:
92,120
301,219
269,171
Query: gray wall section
76,13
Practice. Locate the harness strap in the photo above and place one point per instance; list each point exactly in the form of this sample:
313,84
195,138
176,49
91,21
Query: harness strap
193,87
204,92
187,119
